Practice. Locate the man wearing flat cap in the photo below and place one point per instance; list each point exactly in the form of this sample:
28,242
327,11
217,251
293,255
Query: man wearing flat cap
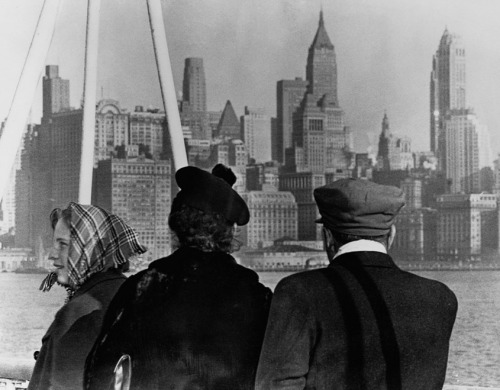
195,319
360,323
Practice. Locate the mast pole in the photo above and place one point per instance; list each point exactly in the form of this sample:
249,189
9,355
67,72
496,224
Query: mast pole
89,102
15,123
166,82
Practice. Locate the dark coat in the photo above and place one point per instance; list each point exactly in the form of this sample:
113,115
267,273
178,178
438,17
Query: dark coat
193,320
73,332
361,323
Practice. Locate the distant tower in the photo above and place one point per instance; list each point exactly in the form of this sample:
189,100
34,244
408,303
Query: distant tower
321,68
384,144
447,88
193,86
194,113
55,91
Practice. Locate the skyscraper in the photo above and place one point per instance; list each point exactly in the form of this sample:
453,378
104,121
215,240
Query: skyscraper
289,95
194,102
138,190
320,140
447,88
193,85
321,68
256,130
55,92
462,151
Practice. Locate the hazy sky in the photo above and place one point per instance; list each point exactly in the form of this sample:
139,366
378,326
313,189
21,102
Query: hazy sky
384,53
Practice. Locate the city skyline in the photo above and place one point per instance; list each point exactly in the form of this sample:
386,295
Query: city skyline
384,55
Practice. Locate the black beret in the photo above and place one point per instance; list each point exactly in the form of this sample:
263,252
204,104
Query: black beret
207,192
358,207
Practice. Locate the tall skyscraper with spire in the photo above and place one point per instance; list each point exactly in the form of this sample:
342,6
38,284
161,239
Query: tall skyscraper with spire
321,68
447,88
454,126
320,140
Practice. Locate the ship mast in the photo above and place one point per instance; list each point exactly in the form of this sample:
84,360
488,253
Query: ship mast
15,123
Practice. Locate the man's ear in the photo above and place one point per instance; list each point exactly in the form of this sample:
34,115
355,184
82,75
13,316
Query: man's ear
123,373
328,243
392,234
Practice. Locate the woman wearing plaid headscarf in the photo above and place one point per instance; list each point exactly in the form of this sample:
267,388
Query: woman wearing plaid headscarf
90,247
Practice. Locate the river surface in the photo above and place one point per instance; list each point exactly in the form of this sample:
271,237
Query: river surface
26,313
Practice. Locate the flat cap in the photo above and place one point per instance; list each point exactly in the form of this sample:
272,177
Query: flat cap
209,193
358,207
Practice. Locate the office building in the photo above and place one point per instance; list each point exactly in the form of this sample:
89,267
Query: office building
416,232
111,128
138,190
447,88
263,176
256,131
55,92
467,226
321,141
149,128
289,95
193,108
462,151
273,215
194,89
301,185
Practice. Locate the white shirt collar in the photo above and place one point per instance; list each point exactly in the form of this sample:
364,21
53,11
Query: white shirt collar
361,246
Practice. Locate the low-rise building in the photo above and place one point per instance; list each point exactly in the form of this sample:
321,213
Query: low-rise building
467,226
273,215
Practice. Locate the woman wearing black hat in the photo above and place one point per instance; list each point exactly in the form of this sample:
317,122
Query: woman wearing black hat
192,320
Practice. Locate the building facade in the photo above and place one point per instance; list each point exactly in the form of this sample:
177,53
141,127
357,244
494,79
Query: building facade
139,191
273,215
111,129
150,129
289,95
301,185
55,92
467,226
256,131
462,151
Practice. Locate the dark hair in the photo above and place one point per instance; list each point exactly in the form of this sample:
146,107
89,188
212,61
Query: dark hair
344,238
209,232
57,214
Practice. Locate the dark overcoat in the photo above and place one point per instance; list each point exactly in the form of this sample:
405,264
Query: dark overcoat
361,323
73,332
193,320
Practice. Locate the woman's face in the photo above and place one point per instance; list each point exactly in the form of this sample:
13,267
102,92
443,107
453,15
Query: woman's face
60,250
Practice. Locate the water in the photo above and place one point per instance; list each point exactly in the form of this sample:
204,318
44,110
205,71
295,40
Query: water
26,313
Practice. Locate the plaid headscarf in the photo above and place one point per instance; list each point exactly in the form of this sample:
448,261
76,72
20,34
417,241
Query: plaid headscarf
98,240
